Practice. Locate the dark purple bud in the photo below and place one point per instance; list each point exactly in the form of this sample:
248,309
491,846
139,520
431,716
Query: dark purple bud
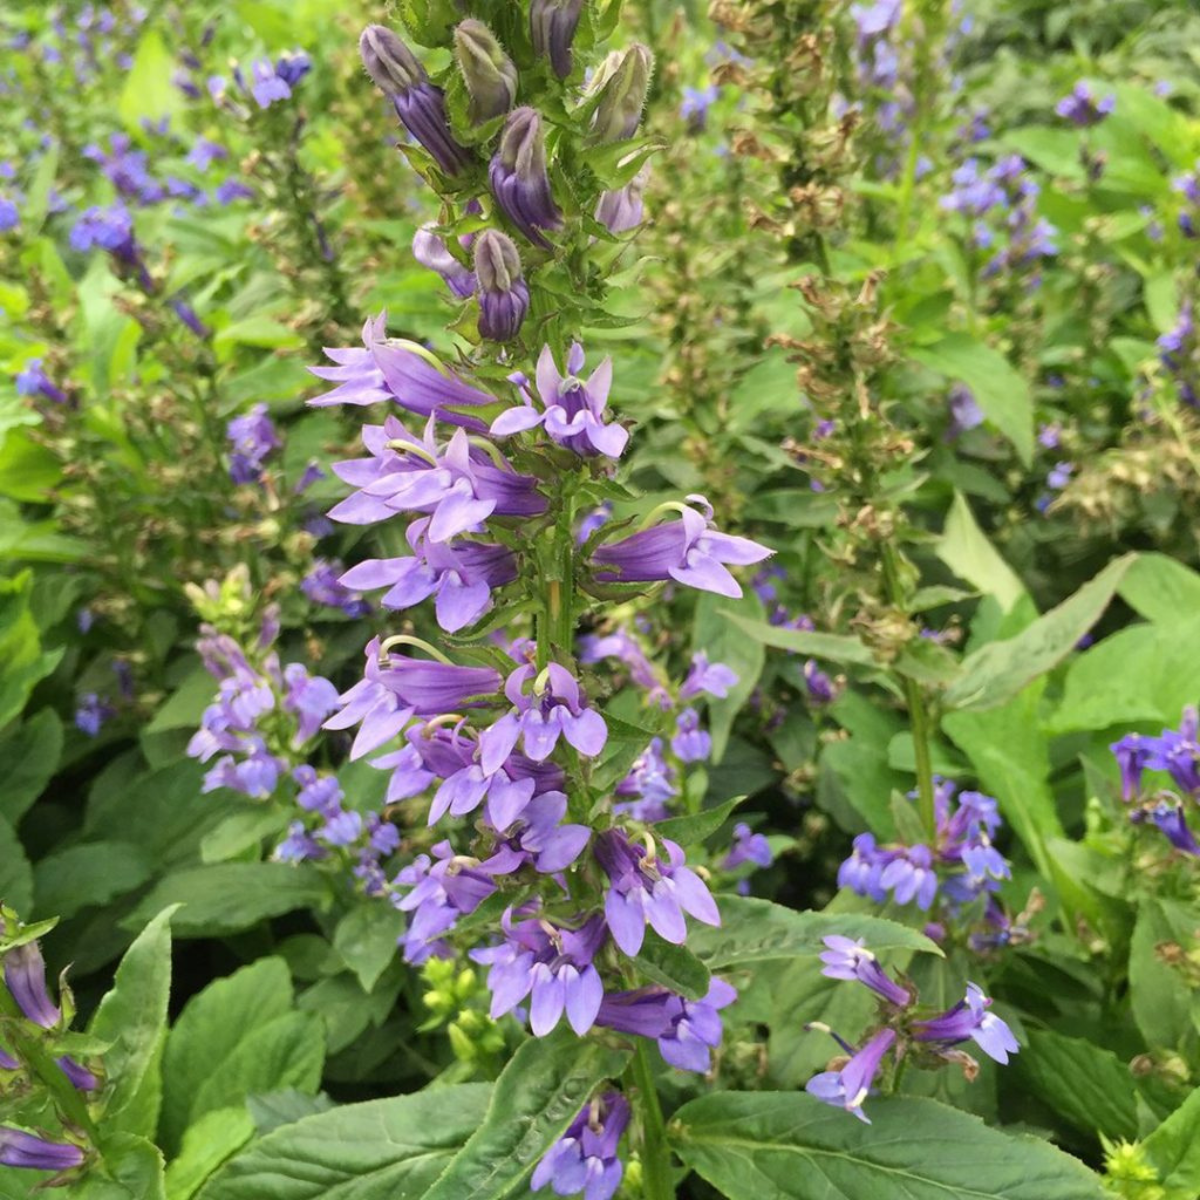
432,252
25,977
552,25
20,1149
518,176
623,79
488,72
503,293
389,62
420,105
80,1077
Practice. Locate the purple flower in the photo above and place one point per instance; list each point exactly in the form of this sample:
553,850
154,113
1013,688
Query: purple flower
93,713
848,959
420,105
863,870
299,845
621,209
394,689
689,551
817,684
432,252
538,835
31,380
399,371
502,290
311,698
965,412
1170,819
553,706
573,411
232,189
552,26
461,575
325,585
25,978
748,847
442,891
850,1086
585,1158
108,229
552,966
10,215
686,1030
253,438
204,153
651,780
1082,109
593,522
879,18
715,679
970,1018
458,486
1178,753
267,85
21,1149
690,743
645,889
695,105
518,178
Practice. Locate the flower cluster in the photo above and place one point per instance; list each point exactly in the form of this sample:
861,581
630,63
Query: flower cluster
959,867
1179,353
1082,108
933,1040
1177,753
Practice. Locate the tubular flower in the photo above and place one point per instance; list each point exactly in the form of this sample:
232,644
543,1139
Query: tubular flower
403,372
573,411
538,836
420,105
552,26
970,1018
623,81
554,706
457,486
503,292
585,1158
645,889
850,1086
552,966
21,1149
432,252
623,209
686,1030
518,177
848,959
689,551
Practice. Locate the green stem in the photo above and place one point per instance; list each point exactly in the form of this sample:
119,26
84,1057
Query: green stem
657,1183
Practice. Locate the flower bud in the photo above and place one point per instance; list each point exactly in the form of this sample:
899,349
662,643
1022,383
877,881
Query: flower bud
389,62
622,209
21,1149
623,79
420,105
488,72
503,293
552,26
518,176
25,977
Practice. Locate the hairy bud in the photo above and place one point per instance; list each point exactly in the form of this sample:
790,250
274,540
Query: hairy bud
488,72
503,293
518,176
623,81
389,62
552,26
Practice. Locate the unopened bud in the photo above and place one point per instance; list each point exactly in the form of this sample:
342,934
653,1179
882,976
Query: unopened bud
430,251
552,26
488,72
518,176
389,62
623,80
622,209
503,293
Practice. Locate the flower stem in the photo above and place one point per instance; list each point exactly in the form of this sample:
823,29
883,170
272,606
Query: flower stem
656,1159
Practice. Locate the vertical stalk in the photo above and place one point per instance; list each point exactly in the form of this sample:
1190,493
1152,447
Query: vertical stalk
656,1159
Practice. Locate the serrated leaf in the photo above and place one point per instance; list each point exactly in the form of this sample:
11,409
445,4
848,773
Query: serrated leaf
366,939
831,647
539,1093
383,1150
674,967
790,1146
697,826
207,1144
756,930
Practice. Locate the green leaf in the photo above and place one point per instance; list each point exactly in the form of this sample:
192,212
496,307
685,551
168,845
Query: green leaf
207,1145
697,826
91,874
1160,996
382,1150
994,674
132,1169
228,1014
831,647
539,1093
1174,1148
30,752
366,940
260,331
1086,1085
240,832
674,967
133,1016
229,897
24,664
16,875
965,549
755,930
712,629
149,93
1161,589
999,390
790,1146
